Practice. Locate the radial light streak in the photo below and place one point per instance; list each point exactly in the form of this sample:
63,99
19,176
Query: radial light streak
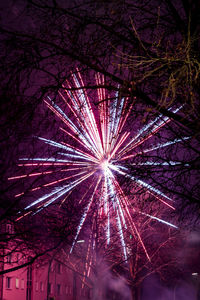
103,152
160,220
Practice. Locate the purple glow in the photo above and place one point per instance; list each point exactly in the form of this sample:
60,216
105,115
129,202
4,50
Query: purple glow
104,146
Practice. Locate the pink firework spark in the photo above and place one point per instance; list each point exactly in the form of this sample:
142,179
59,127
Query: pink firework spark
104,148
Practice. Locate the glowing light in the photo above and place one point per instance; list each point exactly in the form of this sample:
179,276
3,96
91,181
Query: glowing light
103,150
104,164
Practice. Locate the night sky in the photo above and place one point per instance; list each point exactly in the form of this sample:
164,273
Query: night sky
100,131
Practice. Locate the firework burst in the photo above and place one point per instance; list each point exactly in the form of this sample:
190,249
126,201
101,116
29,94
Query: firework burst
103,149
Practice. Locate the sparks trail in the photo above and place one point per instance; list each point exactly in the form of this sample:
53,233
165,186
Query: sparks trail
104,147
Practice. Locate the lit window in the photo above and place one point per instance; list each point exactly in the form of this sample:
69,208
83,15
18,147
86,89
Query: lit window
22,284
8,282
17,283
52,267
36,286
41,286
